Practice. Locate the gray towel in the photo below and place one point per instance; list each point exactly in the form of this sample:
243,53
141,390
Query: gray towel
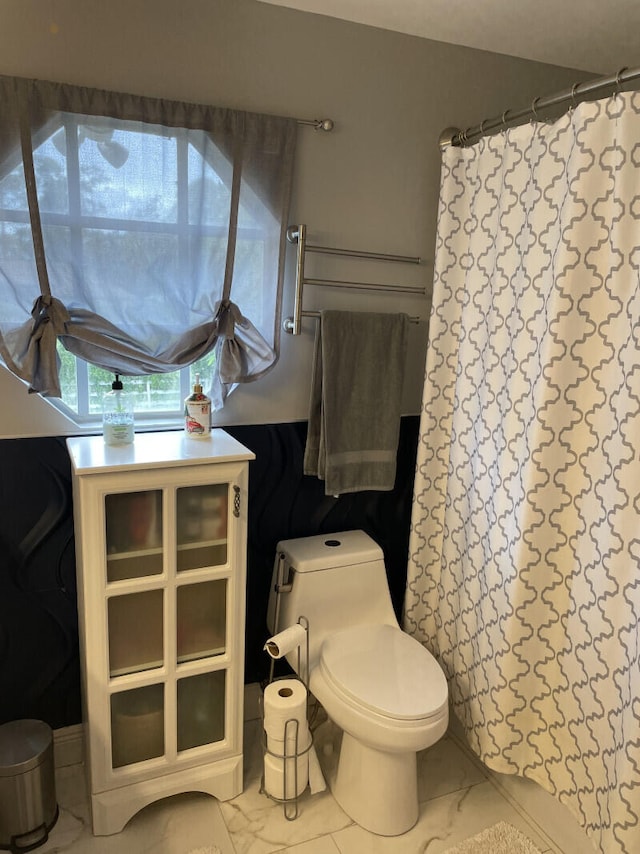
356,394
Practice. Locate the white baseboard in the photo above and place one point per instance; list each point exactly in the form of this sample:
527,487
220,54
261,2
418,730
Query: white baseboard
68,745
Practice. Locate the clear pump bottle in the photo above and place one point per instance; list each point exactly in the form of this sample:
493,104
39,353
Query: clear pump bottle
117,415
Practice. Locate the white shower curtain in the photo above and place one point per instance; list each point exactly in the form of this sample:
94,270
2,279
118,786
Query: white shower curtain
524,570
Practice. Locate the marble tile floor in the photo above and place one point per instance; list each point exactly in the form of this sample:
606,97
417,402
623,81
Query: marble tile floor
458,798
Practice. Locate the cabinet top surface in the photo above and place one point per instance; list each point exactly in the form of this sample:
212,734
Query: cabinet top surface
90,454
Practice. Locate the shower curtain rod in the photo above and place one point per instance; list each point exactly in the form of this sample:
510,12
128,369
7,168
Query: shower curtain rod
455,136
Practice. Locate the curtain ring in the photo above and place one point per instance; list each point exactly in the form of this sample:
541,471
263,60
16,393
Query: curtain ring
533,108
618,76
574,89
482,127
504,118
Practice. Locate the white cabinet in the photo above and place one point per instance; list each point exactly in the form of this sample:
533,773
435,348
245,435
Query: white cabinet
160,529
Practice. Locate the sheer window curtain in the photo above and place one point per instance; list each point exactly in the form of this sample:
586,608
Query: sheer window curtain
143,233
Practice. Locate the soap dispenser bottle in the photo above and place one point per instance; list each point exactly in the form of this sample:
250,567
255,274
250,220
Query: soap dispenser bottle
197,413
117,415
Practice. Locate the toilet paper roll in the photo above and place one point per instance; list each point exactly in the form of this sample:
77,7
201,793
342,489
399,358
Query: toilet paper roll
274,776
284,700
286,641
296,741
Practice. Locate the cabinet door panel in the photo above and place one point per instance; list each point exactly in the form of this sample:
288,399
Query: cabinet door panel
201,514
135,632
133,534
137,725
201,615
201,703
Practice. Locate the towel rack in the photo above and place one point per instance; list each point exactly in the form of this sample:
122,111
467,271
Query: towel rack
298,234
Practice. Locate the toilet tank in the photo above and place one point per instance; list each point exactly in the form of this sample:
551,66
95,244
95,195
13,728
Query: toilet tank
334,580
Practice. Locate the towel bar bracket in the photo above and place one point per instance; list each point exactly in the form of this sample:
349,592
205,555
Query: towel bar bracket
298,234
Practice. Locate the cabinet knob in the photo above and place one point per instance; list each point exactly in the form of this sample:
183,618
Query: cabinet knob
236,501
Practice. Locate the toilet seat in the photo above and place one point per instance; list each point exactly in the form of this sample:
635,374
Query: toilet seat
385,670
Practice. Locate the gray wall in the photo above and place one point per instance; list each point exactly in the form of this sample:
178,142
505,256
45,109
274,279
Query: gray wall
371,184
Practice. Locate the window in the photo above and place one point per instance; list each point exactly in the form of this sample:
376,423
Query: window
161,245
156,396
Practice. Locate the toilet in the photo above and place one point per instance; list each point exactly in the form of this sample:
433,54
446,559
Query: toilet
380,686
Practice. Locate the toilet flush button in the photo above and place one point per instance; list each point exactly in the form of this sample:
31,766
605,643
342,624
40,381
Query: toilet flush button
332,543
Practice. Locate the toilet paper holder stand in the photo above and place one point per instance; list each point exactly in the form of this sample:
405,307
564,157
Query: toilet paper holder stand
291,737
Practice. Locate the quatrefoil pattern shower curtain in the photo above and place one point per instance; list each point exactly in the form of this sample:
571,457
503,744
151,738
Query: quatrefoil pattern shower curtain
524,569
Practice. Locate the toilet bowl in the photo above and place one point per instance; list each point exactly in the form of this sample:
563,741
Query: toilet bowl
383,689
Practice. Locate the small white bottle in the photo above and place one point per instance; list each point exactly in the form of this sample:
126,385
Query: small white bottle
197,413
117,415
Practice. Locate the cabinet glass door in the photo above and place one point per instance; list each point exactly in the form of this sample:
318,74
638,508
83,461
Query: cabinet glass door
137,725
133,534
201,526
201,614
135,632
201,702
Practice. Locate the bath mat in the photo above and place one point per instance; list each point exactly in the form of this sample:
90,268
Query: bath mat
211,849
501,838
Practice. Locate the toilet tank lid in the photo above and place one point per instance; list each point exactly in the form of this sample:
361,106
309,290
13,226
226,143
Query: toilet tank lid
324,551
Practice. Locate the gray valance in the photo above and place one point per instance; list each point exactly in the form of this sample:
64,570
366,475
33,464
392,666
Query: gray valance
139,232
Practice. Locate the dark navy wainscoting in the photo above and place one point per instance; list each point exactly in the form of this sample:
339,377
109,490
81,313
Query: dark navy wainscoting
39,664
39,667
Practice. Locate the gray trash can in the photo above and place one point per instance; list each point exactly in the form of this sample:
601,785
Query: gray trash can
28,808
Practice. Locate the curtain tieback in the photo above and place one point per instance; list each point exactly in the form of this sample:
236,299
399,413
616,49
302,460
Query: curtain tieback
232,365
48,310
241,349
227,316
39,358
